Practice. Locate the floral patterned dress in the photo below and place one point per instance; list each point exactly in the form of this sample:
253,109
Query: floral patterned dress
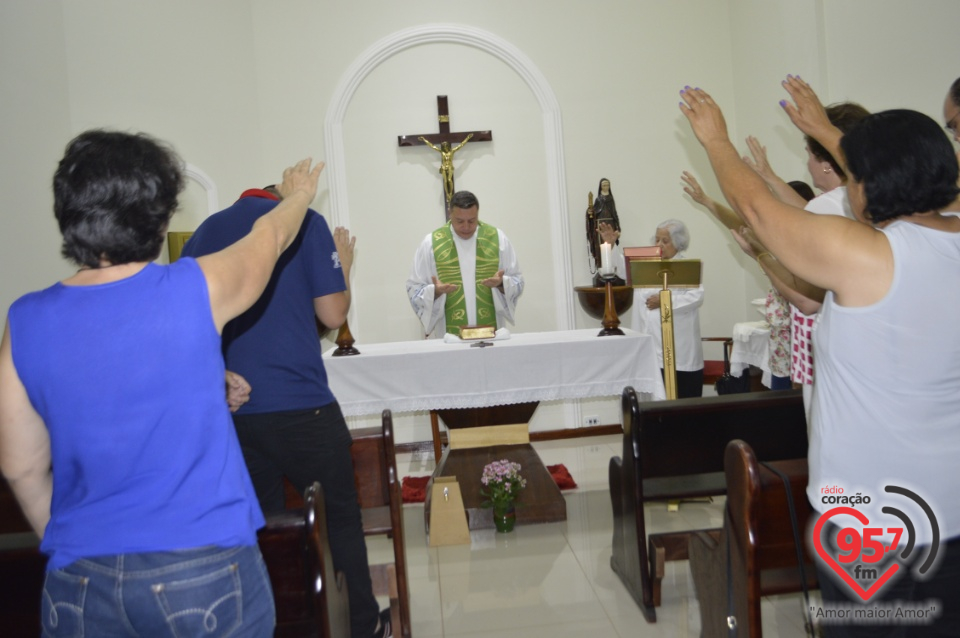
777,314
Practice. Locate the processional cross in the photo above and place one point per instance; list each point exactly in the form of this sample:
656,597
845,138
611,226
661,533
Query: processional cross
445,143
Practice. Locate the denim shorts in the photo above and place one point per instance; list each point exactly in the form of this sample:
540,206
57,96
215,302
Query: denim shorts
209,592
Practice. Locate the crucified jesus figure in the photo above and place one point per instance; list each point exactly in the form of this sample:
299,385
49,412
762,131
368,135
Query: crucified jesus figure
446,162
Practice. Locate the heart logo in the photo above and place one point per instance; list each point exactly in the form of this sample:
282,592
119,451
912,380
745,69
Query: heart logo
865,594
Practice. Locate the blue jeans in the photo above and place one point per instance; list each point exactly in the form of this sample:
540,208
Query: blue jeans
209,592
780,383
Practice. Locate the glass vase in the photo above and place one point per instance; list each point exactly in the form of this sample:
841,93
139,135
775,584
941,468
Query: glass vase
504,517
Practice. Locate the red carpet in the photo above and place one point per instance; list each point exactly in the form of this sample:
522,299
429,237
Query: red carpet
561,476
414,487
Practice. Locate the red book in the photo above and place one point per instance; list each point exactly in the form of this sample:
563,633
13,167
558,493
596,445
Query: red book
639,252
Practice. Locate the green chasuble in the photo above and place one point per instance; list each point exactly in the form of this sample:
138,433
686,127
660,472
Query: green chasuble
448,271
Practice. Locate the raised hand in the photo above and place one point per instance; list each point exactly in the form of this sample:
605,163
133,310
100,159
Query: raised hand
345,244
301,177
704,116
748,241
442,288
807,113
693,189
608,233
753,240
757,160
494,282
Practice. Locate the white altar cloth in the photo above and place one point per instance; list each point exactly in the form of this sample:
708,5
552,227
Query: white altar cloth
751,347
429,374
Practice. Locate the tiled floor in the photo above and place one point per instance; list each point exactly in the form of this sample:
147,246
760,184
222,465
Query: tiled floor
555,579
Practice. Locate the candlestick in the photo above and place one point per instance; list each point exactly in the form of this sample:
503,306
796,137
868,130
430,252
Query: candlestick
611,322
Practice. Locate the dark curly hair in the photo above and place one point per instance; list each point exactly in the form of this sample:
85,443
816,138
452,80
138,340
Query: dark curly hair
843,115
905,163
113,196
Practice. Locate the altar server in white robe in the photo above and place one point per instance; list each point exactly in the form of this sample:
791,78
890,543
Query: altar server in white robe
464,273
673,238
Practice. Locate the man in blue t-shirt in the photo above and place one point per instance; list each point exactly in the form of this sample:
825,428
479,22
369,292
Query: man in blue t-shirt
292,425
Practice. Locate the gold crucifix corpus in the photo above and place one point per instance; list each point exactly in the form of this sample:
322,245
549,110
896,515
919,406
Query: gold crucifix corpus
446,162
441,142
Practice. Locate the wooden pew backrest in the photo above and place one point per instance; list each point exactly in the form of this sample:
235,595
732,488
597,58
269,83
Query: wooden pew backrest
381,506
758,530
675,450
22,570
310,597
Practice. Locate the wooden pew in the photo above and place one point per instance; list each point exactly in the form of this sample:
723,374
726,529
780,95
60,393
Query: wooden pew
762,551
293,544
675,450
381,506
310,598
22,570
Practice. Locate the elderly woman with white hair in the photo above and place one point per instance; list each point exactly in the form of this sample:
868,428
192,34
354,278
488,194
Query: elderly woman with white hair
673,238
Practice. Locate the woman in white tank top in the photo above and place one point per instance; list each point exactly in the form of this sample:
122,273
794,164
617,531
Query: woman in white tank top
886,405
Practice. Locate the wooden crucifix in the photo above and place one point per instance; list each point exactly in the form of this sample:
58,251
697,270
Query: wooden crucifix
445,143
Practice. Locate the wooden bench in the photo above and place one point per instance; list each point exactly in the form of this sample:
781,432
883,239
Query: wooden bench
762,550
293,545
675,450
381,506
310,597
22,570
378,486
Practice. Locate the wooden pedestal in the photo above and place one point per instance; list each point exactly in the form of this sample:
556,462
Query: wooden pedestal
540,502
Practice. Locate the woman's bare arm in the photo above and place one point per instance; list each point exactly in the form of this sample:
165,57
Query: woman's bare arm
832,252
24,444
759,163
237,275
808,115
723,214
802,294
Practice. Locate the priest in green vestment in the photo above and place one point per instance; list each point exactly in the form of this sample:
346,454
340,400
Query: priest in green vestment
464,273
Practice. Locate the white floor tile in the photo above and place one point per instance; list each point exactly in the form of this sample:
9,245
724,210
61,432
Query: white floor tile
555,579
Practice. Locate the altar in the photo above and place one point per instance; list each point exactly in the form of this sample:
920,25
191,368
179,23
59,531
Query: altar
429,374
527,368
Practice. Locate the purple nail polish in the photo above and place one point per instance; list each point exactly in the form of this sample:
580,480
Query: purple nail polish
783,102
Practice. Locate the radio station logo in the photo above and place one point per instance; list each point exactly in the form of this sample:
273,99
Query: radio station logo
868,557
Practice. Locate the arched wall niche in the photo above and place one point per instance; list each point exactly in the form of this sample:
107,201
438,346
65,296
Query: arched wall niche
485,41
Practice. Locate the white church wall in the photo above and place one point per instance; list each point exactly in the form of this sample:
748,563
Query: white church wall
898,55
34,129
395,193
241,89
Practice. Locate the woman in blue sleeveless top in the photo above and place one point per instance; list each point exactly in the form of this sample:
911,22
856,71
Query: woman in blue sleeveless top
115,433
